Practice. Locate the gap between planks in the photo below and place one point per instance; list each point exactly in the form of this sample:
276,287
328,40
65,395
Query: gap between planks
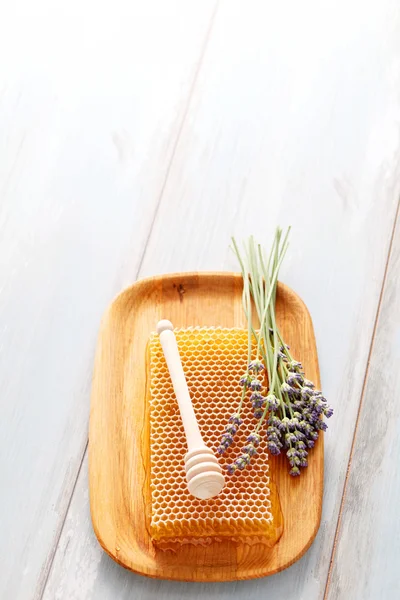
42,585
364,386
178,136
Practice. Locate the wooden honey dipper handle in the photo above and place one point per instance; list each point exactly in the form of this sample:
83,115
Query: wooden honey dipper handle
203,472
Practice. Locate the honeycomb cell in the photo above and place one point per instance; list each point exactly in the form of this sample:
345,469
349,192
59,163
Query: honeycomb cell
213,360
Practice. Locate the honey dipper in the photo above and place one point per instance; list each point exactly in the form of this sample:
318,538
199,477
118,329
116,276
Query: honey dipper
203,472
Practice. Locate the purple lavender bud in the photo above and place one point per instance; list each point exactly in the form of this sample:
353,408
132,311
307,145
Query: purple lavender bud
246,457
309,415
226,440
256,385
245,380
319,406
258,403
302,425
303,462
256,366
235,419
328,411
290,437
321,425
272,401
240,463
294,378
294,471
313,435
321,398
301,445
306,393
294,364
310,443
254,438
231,469
286,388
250,450
307,383
299,404
258,413
274,421
282,356
272,432
311,403
231,428
284,423
221,450
273,448
256,396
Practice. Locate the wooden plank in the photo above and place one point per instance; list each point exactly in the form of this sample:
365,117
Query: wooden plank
292,121
367,554
90,110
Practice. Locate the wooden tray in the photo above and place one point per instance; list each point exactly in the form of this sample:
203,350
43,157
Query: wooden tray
118,442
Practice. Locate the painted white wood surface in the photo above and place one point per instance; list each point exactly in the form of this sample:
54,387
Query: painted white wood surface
91,105
367,555
293,120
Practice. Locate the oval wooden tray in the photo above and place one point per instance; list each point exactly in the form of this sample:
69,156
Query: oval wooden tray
118,441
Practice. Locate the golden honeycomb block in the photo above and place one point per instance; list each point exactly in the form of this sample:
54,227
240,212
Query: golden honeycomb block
247,510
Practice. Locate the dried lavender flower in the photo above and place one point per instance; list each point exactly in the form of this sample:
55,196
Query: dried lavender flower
245,380
272,401
306,392
294,364
293,408
308,383
294,378
250,450
258,413
256,385
286,388
254,438
235,419
230,428
242,462
256,366
227,438
273,448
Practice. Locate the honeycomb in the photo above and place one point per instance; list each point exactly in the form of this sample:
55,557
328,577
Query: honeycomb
213,360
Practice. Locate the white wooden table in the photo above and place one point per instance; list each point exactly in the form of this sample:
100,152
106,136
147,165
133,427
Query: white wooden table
135,138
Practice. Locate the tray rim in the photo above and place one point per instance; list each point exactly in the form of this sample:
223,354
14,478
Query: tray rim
188,275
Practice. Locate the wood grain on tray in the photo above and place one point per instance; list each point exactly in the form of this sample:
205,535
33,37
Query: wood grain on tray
118,440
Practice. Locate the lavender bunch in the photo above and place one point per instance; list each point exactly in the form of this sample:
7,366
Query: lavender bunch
290,415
